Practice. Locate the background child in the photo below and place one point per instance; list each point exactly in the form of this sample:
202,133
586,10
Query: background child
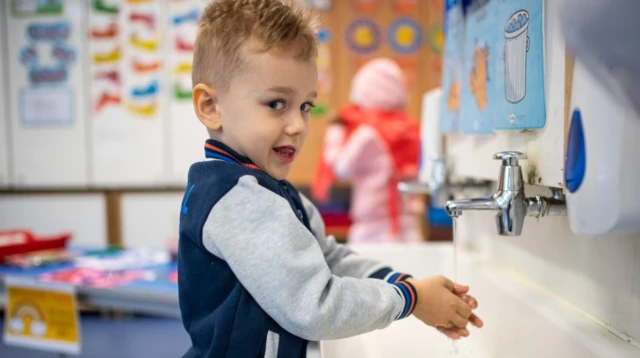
257,276
375,143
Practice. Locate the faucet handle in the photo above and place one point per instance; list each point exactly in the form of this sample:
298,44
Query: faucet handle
509,158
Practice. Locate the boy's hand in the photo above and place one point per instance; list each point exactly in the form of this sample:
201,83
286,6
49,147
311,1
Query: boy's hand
439,305
457,333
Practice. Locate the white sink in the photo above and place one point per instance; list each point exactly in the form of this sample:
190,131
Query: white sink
521,320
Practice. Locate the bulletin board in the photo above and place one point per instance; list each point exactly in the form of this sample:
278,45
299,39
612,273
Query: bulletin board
126,76
4,112
408,31
46,92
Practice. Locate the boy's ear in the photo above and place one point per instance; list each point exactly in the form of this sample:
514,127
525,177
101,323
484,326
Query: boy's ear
205,103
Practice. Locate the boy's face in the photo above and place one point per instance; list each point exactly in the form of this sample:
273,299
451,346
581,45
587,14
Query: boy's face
265,112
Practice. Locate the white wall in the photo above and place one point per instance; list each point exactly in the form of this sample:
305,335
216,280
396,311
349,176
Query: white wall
82,214
4,111
150,219
598,275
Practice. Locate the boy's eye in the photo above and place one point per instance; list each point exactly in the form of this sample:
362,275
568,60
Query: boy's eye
306,107
276,105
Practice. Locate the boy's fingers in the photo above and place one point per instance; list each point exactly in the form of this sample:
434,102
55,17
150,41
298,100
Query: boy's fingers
460,289
447,283
449,333
470,300
459,321
464,310
476,321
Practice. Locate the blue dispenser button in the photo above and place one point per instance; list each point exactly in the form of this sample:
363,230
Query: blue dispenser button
575,160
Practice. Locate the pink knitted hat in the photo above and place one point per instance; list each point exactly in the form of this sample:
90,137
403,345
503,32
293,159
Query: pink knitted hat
379,84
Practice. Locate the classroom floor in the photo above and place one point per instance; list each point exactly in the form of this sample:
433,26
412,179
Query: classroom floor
128,337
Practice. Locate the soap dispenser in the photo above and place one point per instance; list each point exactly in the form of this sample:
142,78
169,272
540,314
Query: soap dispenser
602,169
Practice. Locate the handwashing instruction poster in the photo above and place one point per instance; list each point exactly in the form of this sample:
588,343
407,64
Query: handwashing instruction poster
480,52
452,66
519,75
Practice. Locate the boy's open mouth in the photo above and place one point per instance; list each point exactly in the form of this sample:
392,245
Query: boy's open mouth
286,153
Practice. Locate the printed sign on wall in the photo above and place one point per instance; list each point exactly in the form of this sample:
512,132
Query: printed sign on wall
452,78
520,70
478,89
42,316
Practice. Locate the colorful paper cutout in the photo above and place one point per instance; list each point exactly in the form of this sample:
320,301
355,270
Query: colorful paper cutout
147,110
141,67
191,16
101,6
149,90
148,19
182,45
405,7
183,67
147,45
106,99
365,6
108,57
181,94
112,76
110,31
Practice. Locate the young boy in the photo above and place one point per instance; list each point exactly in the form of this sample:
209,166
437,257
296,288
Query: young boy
257,276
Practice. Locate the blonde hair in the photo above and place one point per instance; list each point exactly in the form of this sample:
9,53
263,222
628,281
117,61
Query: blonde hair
226,26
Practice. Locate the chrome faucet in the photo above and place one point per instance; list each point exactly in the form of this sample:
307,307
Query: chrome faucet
438,185
509,201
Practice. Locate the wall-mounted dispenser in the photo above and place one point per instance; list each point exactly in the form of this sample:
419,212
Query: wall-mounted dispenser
602,169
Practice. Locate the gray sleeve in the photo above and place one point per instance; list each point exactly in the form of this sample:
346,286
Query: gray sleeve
342,261
279,262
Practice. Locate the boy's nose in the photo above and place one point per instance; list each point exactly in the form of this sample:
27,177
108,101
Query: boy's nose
296,124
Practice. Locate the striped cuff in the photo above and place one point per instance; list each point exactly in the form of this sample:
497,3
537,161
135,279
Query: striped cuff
394,277
388,275
409,296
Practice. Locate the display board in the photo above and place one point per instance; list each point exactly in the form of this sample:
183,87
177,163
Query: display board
46,93
127,89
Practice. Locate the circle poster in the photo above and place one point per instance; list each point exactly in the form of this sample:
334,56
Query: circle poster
405,36
363,36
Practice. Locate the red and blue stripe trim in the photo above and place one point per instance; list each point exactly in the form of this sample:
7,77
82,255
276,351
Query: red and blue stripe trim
218,150
410,297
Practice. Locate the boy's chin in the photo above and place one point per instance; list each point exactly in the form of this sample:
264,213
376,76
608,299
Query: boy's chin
279,174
